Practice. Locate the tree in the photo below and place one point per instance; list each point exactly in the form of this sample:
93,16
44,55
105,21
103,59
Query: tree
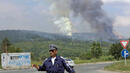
5,45
18,50
96,50
115,50
13,49
85,56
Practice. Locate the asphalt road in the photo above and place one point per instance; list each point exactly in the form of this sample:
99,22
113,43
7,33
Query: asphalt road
84,68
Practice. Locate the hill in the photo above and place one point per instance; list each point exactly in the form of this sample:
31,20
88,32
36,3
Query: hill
26,35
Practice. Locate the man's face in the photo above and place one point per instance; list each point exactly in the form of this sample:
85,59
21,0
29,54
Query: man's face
53,53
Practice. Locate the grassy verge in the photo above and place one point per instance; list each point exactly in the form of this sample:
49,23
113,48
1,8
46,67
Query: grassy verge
119,66
94,60
79,61
89,61
37,62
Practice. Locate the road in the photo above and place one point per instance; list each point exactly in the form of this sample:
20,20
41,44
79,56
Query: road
84,68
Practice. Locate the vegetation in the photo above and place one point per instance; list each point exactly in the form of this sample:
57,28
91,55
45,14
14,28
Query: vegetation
119,66
83,50
8,47
79,51
96,50
115,50
94,60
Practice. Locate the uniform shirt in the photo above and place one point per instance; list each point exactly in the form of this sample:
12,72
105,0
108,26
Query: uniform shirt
53,60
59,66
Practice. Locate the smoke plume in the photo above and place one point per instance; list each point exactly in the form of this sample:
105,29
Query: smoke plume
65,25
91,12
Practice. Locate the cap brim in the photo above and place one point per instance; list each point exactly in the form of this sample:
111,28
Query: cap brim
52,49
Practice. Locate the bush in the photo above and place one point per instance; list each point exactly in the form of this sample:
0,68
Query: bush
96,50
115,50
107,58
86,56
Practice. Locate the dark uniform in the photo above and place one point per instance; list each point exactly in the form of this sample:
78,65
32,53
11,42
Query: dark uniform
59,66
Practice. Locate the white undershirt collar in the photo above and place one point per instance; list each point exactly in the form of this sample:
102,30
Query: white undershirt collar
53,60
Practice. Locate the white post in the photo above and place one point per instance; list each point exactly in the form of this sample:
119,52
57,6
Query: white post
125,61
125,57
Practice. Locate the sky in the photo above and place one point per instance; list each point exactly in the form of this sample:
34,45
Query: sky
35,15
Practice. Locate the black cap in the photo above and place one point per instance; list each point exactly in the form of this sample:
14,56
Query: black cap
53,47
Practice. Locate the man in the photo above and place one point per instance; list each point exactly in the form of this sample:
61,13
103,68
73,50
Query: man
54,64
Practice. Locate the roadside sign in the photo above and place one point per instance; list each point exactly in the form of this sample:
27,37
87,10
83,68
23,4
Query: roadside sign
125,53
124,43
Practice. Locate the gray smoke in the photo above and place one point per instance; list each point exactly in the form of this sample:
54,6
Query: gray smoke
91,12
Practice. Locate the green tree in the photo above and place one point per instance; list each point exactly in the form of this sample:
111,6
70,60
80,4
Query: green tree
18,50
115,50
5,45
96,50
13,49
85,56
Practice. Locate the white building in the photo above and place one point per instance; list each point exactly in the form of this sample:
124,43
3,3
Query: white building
15,60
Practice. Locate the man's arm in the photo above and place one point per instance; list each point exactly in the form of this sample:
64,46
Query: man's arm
40,68
67,67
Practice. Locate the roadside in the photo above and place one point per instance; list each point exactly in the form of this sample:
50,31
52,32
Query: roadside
119,67
84,68
80,68
111,67
103,71
91,61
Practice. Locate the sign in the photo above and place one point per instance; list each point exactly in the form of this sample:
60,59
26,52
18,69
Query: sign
15,60
124,43
125,53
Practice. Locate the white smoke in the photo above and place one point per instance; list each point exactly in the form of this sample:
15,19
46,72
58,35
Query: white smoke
90,11
65,25
61,12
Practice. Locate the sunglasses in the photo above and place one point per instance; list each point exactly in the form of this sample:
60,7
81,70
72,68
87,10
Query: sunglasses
51,50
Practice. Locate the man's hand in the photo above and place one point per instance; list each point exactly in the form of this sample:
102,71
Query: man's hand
36,66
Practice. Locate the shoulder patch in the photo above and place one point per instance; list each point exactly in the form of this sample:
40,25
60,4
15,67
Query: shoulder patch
45,60
62,57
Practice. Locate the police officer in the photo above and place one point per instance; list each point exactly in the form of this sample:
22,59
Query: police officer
54,64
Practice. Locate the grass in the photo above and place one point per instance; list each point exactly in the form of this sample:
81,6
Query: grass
79,61
37,62
88,61
94,60
76,61
119,66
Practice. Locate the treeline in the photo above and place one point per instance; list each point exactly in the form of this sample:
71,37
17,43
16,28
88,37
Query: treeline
84,50
8,47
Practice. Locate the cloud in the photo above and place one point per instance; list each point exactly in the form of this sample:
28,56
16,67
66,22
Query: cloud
127,12
110,1
122,21
21,15
9,9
